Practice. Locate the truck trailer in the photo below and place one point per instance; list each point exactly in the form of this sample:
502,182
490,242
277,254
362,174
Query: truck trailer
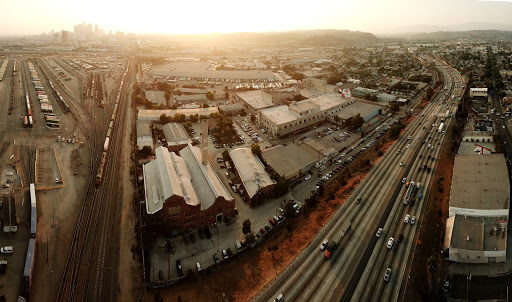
441,128
337,239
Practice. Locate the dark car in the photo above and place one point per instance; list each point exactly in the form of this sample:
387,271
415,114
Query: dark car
421,155
267,228
413,202
400,238
179,268
428,170
419,169
215,258
262,231
201,233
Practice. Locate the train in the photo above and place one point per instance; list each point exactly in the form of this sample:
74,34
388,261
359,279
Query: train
108,139
28,117
31,251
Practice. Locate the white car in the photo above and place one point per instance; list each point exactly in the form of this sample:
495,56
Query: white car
324,244
10,174
401,163
409,137
390,242
407,218
413,220
308,177
387,274
198,266
404,180
379,233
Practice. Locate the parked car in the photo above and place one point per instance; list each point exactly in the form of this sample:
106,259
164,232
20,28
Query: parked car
262,231
198,267
224,254
215,258
272,222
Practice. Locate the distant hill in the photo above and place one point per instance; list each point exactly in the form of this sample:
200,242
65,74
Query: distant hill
471,34
327,37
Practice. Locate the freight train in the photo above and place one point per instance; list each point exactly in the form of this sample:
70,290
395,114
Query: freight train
108,139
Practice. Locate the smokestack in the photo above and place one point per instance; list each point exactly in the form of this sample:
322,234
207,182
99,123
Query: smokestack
204,142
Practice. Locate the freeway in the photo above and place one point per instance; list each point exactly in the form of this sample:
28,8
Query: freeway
356,268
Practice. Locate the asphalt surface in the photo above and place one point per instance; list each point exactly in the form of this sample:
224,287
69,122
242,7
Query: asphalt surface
357,266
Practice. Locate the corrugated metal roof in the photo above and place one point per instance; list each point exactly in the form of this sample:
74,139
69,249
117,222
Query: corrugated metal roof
251,170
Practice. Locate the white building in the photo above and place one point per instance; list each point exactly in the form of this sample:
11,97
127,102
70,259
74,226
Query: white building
476,92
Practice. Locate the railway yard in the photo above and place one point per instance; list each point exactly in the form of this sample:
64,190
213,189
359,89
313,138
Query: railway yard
61,140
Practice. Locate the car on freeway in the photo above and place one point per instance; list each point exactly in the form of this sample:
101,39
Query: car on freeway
387,274
390,242
407,218
359,199
398,152
401,163
400,238
413,220
279,298
404,180
379,233
409,138
324,244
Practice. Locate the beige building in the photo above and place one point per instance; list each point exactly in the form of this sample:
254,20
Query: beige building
284,120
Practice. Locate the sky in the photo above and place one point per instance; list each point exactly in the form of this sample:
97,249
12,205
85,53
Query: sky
207,16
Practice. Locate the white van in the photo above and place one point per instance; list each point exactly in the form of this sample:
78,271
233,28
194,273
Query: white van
280,298
390,242
6,250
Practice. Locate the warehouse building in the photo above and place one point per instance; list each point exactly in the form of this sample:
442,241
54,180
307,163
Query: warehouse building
284,120
256,183
290,161
478,211
478,92
232,109
183,191
144,137
176,136
255,100
321,152
154,115
367,110
192,98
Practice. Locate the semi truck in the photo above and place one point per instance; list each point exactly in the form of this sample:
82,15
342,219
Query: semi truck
441,128
337,239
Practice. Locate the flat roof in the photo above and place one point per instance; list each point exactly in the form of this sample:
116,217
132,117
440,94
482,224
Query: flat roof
289,159
185,176
282,114
143,128
250,169
319,147
175,133
469,147
154,115
358,107
478,89
477,233
480,182
191,98
258,99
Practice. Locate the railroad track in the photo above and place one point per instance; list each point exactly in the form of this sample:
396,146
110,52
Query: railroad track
82,259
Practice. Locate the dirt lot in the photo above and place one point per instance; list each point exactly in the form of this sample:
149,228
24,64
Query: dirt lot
128,269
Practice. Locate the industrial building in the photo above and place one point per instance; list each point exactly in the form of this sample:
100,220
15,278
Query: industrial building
176,136
154,115
284,120
232,109
183,190
478,130
319,151
479,206
478,92
361,92
255,100
144,137
290,161
256,183
367,110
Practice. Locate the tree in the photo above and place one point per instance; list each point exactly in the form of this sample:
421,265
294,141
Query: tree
250,239
394,107
209,95
164,119
246,228
395,131
146,151
356,122
289,211
373,98
256,150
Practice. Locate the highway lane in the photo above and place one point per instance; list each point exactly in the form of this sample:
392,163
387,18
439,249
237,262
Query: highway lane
298,287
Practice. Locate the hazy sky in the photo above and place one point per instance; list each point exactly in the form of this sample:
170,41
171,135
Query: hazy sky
204,16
